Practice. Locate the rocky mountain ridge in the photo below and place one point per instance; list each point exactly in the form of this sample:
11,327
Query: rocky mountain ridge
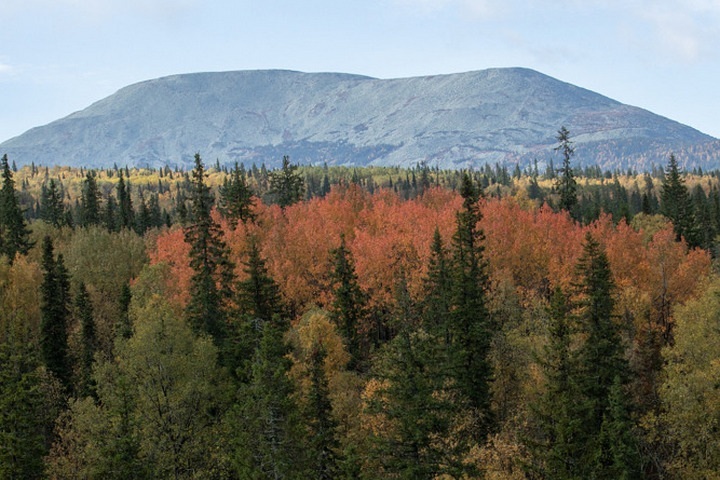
462,120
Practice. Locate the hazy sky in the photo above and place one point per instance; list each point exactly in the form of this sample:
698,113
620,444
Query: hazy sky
59,56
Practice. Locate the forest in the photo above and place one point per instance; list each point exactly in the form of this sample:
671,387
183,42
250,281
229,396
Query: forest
349,323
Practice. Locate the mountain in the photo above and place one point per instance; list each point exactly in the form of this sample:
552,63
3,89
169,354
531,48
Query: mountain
451,121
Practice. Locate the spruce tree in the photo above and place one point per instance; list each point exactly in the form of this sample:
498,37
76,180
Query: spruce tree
258,295
90,201
286,185
14,233
470,321
126,214
416,403
211,283
123,328
565,183
601,358
236,198
559,436
323,445
437,289
52,208
269,440
348,309
55,313
23,420
676,203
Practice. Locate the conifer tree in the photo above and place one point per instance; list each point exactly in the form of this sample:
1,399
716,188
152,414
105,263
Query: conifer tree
566,184
110,220
348,309
210,287
14,233
126,214
437,289
323,445
123,329
286,185
90,201
55,313
52,208
23,441
269,441
258,295
601,362
236,198
414,401
676,203
559,436
470,321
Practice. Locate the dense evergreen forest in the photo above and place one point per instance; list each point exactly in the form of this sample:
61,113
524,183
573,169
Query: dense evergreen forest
331,323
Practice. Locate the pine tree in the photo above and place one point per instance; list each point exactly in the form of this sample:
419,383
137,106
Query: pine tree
236,198
14,233
348,309
110,213
286,185
566,184
55,313
210,287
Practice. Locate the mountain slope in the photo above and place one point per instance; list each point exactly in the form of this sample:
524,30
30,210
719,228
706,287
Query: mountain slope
452,121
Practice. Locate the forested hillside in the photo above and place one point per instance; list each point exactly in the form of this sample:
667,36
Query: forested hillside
333,323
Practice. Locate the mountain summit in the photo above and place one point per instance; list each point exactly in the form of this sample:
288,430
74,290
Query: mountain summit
460,120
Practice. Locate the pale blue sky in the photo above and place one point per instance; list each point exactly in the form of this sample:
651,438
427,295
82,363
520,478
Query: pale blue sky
59,56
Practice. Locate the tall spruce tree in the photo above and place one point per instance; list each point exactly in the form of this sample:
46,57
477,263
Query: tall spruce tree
14,232
55,310
348,309
90,201
126,214
601,364
437,289
258,295
676,203
470,321
414,400
559,436
211,283
565,183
